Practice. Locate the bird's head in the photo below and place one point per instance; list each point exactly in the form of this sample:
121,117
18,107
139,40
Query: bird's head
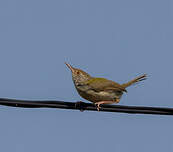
78,75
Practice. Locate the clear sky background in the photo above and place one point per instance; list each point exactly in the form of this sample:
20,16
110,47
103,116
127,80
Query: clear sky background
118,40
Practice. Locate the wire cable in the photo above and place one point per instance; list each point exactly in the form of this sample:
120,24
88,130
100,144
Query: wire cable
85,106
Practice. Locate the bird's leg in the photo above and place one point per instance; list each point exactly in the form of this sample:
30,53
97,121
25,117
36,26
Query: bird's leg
105,102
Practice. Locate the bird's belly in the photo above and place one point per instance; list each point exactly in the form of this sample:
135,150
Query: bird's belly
94,96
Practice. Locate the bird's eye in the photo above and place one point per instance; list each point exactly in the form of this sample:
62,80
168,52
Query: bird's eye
78,72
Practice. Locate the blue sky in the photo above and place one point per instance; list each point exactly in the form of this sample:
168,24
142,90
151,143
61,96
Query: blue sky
118,40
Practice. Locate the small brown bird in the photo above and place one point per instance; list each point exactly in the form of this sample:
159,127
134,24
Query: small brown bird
99,90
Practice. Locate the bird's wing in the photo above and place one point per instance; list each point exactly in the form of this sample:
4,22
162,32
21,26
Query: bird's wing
101,84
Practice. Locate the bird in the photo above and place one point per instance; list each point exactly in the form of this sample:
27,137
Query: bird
99,90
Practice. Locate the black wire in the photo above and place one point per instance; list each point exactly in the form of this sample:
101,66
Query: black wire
85,106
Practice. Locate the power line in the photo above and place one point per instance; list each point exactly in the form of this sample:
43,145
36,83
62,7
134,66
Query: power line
84,106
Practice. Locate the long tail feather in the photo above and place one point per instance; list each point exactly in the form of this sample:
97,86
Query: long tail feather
138,79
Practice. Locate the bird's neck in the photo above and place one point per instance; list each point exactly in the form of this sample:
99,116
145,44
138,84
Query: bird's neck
79,81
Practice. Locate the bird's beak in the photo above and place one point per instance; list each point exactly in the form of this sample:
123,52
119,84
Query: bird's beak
70,67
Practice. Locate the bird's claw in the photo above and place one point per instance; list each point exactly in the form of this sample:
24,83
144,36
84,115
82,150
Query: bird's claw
98,106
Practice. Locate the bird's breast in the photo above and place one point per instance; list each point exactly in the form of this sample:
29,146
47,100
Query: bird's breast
94,96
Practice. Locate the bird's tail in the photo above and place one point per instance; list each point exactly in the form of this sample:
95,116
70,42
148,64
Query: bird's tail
138,79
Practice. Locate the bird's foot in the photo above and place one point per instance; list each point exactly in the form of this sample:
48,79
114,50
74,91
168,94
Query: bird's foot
97,104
